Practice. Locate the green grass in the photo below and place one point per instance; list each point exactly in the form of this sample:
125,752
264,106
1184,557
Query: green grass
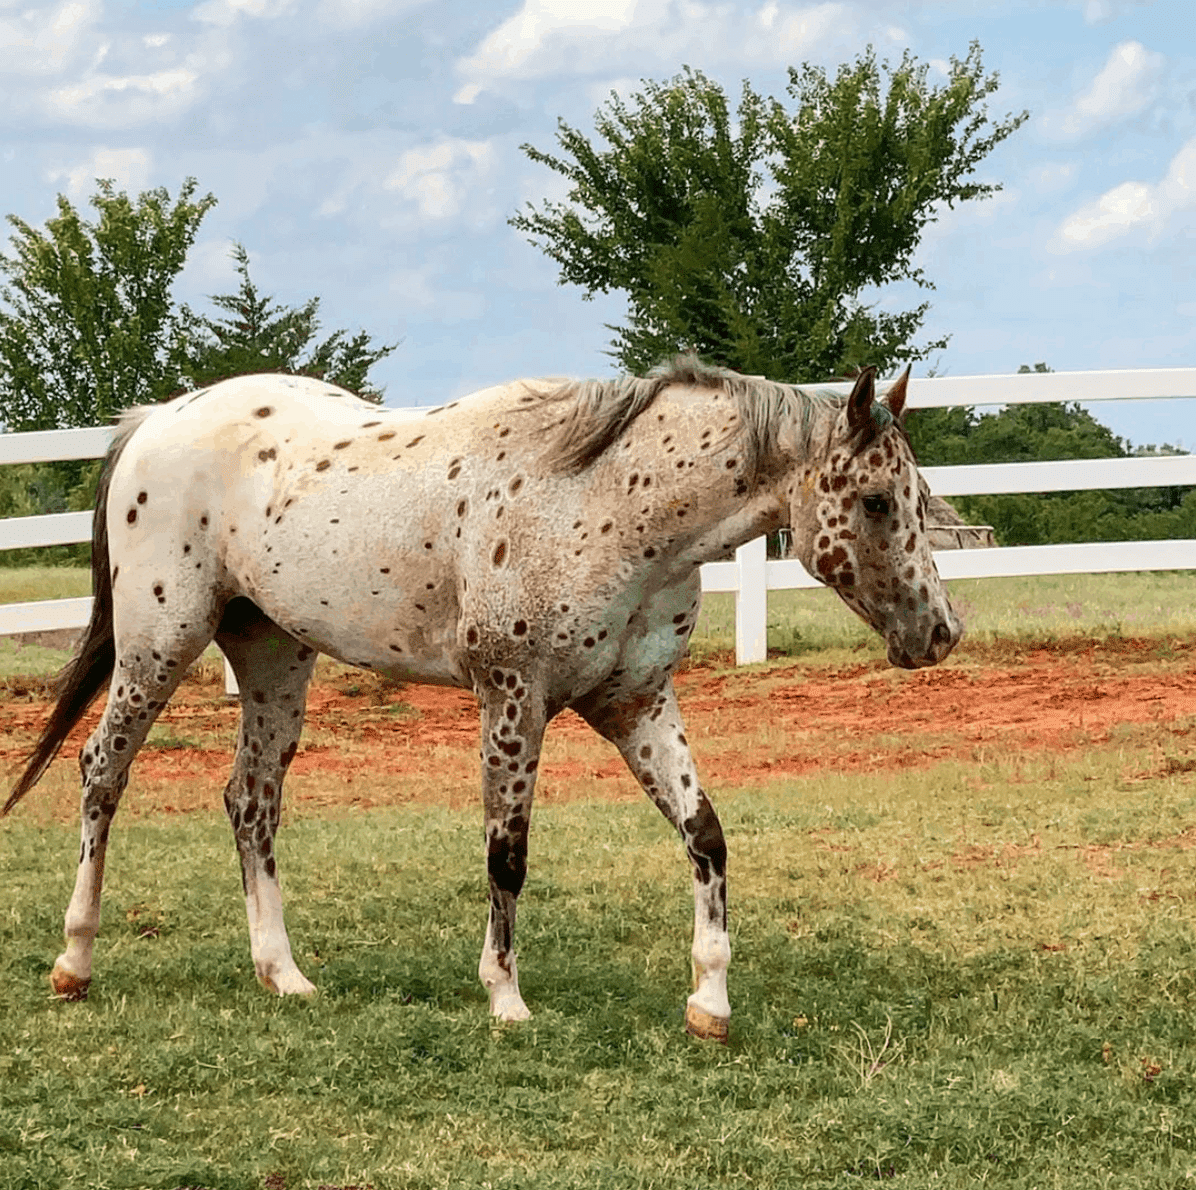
27,584
972,975
1040,608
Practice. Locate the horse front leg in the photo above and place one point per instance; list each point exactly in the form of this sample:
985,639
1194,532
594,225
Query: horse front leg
513,723
648,730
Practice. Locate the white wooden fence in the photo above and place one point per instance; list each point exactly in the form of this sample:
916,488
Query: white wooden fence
751,575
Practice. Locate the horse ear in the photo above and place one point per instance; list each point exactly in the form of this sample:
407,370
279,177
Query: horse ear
859,404
895,397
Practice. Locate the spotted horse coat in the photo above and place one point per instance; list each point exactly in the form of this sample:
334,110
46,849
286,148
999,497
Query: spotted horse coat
537,543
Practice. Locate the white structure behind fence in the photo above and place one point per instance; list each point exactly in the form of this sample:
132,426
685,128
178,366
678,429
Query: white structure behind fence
751,576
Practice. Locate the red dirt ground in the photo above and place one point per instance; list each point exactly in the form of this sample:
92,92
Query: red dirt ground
367,744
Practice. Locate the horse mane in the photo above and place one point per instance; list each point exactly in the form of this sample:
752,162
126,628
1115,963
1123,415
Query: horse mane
600,412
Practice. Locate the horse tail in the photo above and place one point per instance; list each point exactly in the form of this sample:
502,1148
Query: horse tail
86,674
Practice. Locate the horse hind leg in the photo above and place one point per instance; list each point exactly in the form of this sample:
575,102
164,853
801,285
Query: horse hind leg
648,730
273,670
146,674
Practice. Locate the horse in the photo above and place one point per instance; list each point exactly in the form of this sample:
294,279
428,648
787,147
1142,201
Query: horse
537,543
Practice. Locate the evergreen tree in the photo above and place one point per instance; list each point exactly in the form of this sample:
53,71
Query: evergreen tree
258,335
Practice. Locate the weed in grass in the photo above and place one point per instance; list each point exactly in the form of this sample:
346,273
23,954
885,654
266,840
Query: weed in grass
164,739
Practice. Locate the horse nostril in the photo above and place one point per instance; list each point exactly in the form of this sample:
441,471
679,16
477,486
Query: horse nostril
941,634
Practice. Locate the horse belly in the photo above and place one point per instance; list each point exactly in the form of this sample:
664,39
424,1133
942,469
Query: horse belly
363,602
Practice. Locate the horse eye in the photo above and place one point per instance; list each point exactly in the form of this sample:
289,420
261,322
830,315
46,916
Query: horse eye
876,505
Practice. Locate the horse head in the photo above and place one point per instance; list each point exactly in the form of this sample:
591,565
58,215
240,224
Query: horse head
858,514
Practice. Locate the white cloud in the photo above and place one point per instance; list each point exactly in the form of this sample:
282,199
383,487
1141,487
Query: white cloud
1125,85
210,267
1100,12
227,12
436,177
522,45
71,63
350,13
1133,206
35,41
433,188
547,37
128,168
114,100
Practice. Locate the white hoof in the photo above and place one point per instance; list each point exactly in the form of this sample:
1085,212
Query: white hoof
290,982
507,1005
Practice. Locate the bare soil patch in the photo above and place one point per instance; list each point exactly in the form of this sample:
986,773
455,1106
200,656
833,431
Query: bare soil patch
367,744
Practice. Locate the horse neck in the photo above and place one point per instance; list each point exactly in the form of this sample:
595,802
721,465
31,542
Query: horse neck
704,497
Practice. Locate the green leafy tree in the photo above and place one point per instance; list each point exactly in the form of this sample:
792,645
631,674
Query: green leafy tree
1038,433
756,237
88,323
258,335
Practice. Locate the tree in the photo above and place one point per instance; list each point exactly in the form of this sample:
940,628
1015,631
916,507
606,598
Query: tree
754,238
88,323
1033,433
260,336
1014,434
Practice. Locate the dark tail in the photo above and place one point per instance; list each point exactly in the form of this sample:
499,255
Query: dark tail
86,674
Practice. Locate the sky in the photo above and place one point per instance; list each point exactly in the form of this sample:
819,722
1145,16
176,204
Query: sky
368,152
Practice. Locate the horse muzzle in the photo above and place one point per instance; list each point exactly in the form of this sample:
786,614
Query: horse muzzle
944,636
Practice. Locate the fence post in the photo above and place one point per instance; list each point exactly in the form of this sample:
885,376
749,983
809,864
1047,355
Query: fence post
751,602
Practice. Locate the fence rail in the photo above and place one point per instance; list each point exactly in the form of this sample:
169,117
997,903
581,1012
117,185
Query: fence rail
751,576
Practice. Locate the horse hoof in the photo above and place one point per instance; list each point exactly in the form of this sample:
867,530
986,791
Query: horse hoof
67,986
509,1009
704,1025
290,984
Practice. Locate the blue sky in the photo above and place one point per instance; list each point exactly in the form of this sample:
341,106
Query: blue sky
368,151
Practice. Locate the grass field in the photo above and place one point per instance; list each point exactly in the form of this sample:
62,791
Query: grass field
968,976
972,974
1045,607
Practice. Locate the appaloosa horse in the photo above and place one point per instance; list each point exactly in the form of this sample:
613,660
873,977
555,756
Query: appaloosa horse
537,543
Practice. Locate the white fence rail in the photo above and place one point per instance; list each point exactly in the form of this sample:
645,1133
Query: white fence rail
751,576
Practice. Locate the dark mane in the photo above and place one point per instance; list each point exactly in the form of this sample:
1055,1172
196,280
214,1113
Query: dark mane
600,412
